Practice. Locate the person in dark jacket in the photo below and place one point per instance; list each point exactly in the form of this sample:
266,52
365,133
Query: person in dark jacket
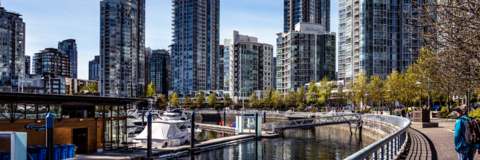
465,151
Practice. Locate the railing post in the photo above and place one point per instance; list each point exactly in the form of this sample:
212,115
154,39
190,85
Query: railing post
395,146
386,151
391,149
375,155
382,153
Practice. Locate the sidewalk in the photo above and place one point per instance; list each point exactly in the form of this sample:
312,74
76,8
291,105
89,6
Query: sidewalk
441,139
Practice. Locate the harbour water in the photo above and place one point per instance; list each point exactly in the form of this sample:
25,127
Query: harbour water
323,142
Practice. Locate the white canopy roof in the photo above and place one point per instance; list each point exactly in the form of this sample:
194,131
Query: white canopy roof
160,131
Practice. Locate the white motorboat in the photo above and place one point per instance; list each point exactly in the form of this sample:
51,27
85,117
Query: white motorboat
167,134
138,121
174,114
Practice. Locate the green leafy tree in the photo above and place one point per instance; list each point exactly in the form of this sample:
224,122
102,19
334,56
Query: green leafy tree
188,102
313,93
227,101
301,98
151,90
162,101
174,101
212,100
200,99
253,100
325,91
93,88
267,100
277,99
290,99
360,87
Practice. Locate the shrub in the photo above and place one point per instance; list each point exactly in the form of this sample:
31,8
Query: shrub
475,114
217,106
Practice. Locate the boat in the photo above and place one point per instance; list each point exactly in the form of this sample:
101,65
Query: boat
173,114
138,120
167,134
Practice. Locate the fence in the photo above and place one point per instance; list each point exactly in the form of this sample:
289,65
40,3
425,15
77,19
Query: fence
387,147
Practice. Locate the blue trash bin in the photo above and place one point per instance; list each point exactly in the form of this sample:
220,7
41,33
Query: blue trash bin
42,153
57,152
64,154
71,150
33,152
5,155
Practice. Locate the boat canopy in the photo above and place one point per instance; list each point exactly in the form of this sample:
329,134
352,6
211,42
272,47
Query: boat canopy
162,131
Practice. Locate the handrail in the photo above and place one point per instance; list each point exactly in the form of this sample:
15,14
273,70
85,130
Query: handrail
389,145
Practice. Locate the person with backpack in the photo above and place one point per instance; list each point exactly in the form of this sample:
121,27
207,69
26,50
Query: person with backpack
465,137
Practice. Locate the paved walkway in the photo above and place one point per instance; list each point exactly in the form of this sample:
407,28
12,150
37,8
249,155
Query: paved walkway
419,147
440,141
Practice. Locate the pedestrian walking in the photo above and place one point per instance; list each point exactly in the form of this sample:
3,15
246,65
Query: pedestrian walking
465,151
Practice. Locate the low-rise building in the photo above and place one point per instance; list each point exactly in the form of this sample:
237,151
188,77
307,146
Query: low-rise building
248,66
74,85
44,84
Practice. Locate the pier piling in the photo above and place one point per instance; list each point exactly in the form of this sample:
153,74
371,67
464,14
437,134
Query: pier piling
256,125
149,135
49,129
192,130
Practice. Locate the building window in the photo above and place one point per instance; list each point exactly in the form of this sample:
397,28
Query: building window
56,111
5,111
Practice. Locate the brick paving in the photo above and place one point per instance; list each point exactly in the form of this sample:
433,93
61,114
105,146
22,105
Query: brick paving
439,139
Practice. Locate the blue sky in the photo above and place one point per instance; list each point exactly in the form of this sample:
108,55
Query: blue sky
50,21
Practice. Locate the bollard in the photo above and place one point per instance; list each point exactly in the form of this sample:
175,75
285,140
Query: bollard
256,125
143,118
224,118
264,116
49,126
149,135
192,130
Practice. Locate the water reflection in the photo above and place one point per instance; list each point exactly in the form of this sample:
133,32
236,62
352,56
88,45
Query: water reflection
325,142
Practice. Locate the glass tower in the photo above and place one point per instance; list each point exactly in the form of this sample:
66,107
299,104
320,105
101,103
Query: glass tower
312,11
51,62
27,64
158,64
69,47
122,44
12,50
196,26
373,39
248,66
304,54
93,69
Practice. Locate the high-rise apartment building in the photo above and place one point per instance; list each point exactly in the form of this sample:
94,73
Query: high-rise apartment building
304,54
122,44
12,50
219,76
51,62
373,39
27,64
148,58
195,44
94,69
69,47
158,68
312,11
248,66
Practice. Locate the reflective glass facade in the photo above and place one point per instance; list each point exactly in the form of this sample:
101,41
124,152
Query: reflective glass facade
158,64
69,47
94,68
51,62
303,55
12,50
196,26
373,39
122,44
27,64
312,11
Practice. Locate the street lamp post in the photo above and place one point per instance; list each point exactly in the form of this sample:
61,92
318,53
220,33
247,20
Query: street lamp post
420,83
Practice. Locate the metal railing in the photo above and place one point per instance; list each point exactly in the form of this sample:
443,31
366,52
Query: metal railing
275,127
387,147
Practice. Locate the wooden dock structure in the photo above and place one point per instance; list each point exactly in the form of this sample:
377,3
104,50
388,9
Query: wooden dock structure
217,128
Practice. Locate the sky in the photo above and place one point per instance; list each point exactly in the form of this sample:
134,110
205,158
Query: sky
51,21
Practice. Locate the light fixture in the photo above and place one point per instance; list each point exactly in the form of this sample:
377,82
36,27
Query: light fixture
111,118
80,120
419,83
389,90
38,121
